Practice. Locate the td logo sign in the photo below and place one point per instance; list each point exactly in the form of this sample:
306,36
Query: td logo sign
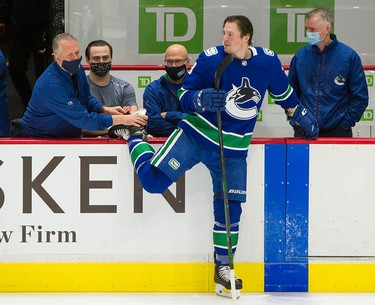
165,22
287,23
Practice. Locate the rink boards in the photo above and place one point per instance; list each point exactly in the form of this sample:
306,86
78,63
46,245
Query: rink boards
74,218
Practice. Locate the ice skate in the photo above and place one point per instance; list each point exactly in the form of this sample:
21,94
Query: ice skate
125,131
222,280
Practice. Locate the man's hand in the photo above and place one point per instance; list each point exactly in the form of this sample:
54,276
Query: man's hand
133,119
209,99
305,119
113,110
126,109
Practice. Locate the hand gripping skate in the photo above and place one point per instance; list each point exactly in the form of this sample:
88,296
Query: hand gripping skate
125,131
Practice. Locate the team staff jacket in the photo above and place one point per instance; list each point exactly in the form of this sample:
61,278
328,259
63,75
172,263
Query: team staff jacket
246,83
331,84
161,96
56,111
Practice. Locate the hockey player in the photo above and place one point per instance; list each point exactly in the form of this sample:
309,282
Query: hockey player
243,85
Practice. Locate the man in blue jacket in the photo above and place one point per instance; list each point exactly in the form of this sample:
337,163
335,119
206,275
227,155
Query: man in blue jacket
328,78
61,104
160,97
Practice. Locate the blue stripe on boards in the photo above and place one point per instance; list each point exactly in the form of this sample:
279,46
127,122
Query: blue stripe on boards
274,214
286,277
285,250
297,202
274,202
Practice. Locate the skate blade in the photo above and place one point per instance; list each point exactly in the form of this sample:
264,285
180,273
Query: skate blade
221,291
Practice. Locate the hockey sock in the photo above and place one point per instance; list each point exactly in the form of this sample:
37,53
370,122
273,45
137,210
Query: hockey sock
152,179
140,151
219,230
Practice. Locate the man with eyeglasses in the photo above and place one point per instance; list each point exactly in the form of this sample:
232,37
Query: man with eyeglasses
61,104
160,97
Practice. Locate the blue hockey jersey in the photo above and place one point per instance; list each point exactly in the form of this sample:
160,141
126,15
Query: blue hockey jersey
246,82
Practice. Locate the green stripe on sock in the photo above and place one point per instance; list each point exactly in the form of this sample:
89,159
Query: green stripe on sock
140,149
220,238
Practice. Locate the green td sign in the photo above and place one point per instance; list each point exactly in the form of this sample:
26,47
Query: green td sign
287,23
143,81
164,22
370,80
368,115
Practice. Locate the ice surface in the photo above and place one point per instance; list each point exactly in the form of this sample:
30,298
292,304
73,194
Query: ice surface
185,299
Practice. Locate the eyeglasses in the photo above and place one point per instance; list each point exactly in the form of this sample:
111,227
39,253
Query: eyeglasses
177,62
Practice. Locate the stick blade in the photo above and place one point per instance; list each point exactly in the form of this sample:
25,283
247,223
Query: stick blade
233,291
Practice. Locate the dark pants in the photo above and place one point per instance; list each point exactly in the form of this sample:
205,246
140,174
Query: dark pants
16,129
337,132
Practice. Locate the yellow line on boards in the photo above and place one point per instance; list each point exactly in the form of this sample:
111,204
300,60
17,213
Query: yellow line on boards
121,277
341,277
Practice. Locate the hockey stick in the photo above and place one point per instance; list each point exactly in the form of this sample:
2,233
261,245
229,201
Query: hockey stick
220,69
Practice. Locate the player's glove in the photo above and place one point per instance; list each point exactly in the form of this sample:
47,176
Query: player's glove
306,120
209,99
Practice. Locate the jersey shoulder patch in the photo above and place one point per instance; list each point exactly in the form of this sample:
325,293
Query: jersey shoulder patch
268,52
211,51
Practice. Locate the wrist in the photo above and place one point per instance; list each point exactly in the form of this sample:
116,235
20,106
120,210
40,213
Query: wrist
290,111
102,109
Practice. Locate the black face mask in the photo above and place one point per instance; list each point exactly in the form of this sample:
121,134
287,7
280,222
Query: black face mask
176,73
101,68
71,66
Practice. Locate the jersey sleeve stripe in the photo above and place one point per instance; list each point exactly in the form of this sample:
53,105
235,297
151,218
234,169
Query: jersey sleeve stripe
282,97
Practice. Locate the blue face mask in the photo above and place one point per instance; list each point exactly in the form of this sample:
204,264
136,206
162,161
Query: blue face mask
313,38
72,66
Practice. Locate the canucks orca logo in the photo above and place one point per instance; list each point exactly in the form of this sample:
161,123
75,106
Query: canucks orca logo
242,101
340,80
